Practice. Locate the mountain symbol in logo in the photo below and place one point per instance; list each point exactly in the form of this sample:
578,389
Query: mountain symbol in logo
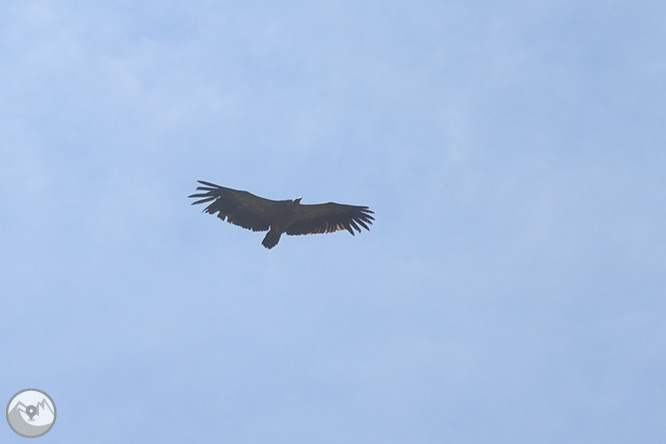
34,410
31,420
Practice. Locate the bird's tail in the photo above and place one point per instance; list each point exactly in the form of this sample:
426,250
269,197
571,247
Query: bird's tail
271,239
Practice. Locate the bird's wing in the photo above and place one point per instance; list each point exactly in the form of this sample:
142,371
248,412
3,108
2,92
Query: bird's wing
330,217
238,207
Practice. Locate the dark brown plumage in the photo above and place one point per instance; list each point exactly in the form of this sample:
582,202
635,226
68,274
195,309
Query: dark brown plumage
280,216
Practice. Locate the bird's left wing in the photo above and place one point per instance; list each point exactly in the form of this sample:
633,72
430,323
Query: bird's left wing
240,208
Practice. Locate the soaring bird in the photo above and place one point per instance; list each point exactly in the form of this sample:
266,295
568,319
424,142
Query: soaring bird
280,216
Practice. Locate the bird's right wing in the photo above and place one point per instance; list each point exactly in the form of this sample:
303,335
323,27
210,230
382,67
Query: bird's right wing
329,218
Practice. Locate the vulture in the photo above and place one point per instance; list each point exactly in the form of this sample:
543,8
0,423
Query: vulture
280,216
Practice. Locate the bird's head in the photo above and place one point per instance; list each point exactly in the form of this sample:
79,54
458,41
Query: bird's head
297,201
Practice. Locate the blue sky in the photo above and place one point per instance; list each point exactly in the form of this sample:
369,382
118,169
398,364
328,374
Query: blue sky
511,290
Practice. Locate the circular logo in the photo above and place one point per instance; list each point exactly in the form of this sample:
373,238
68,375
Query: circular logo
31,413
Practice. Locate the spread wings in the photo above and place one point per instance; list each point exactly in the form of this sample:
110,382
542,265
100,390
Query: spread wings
330,217
238,207
258,214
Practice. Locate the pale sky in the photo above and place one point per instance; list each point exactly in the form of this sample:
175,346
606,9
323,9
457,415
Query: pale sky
512,289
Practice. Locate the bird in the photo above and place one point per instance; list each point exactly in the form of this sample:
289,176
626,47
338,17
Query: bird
256,213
